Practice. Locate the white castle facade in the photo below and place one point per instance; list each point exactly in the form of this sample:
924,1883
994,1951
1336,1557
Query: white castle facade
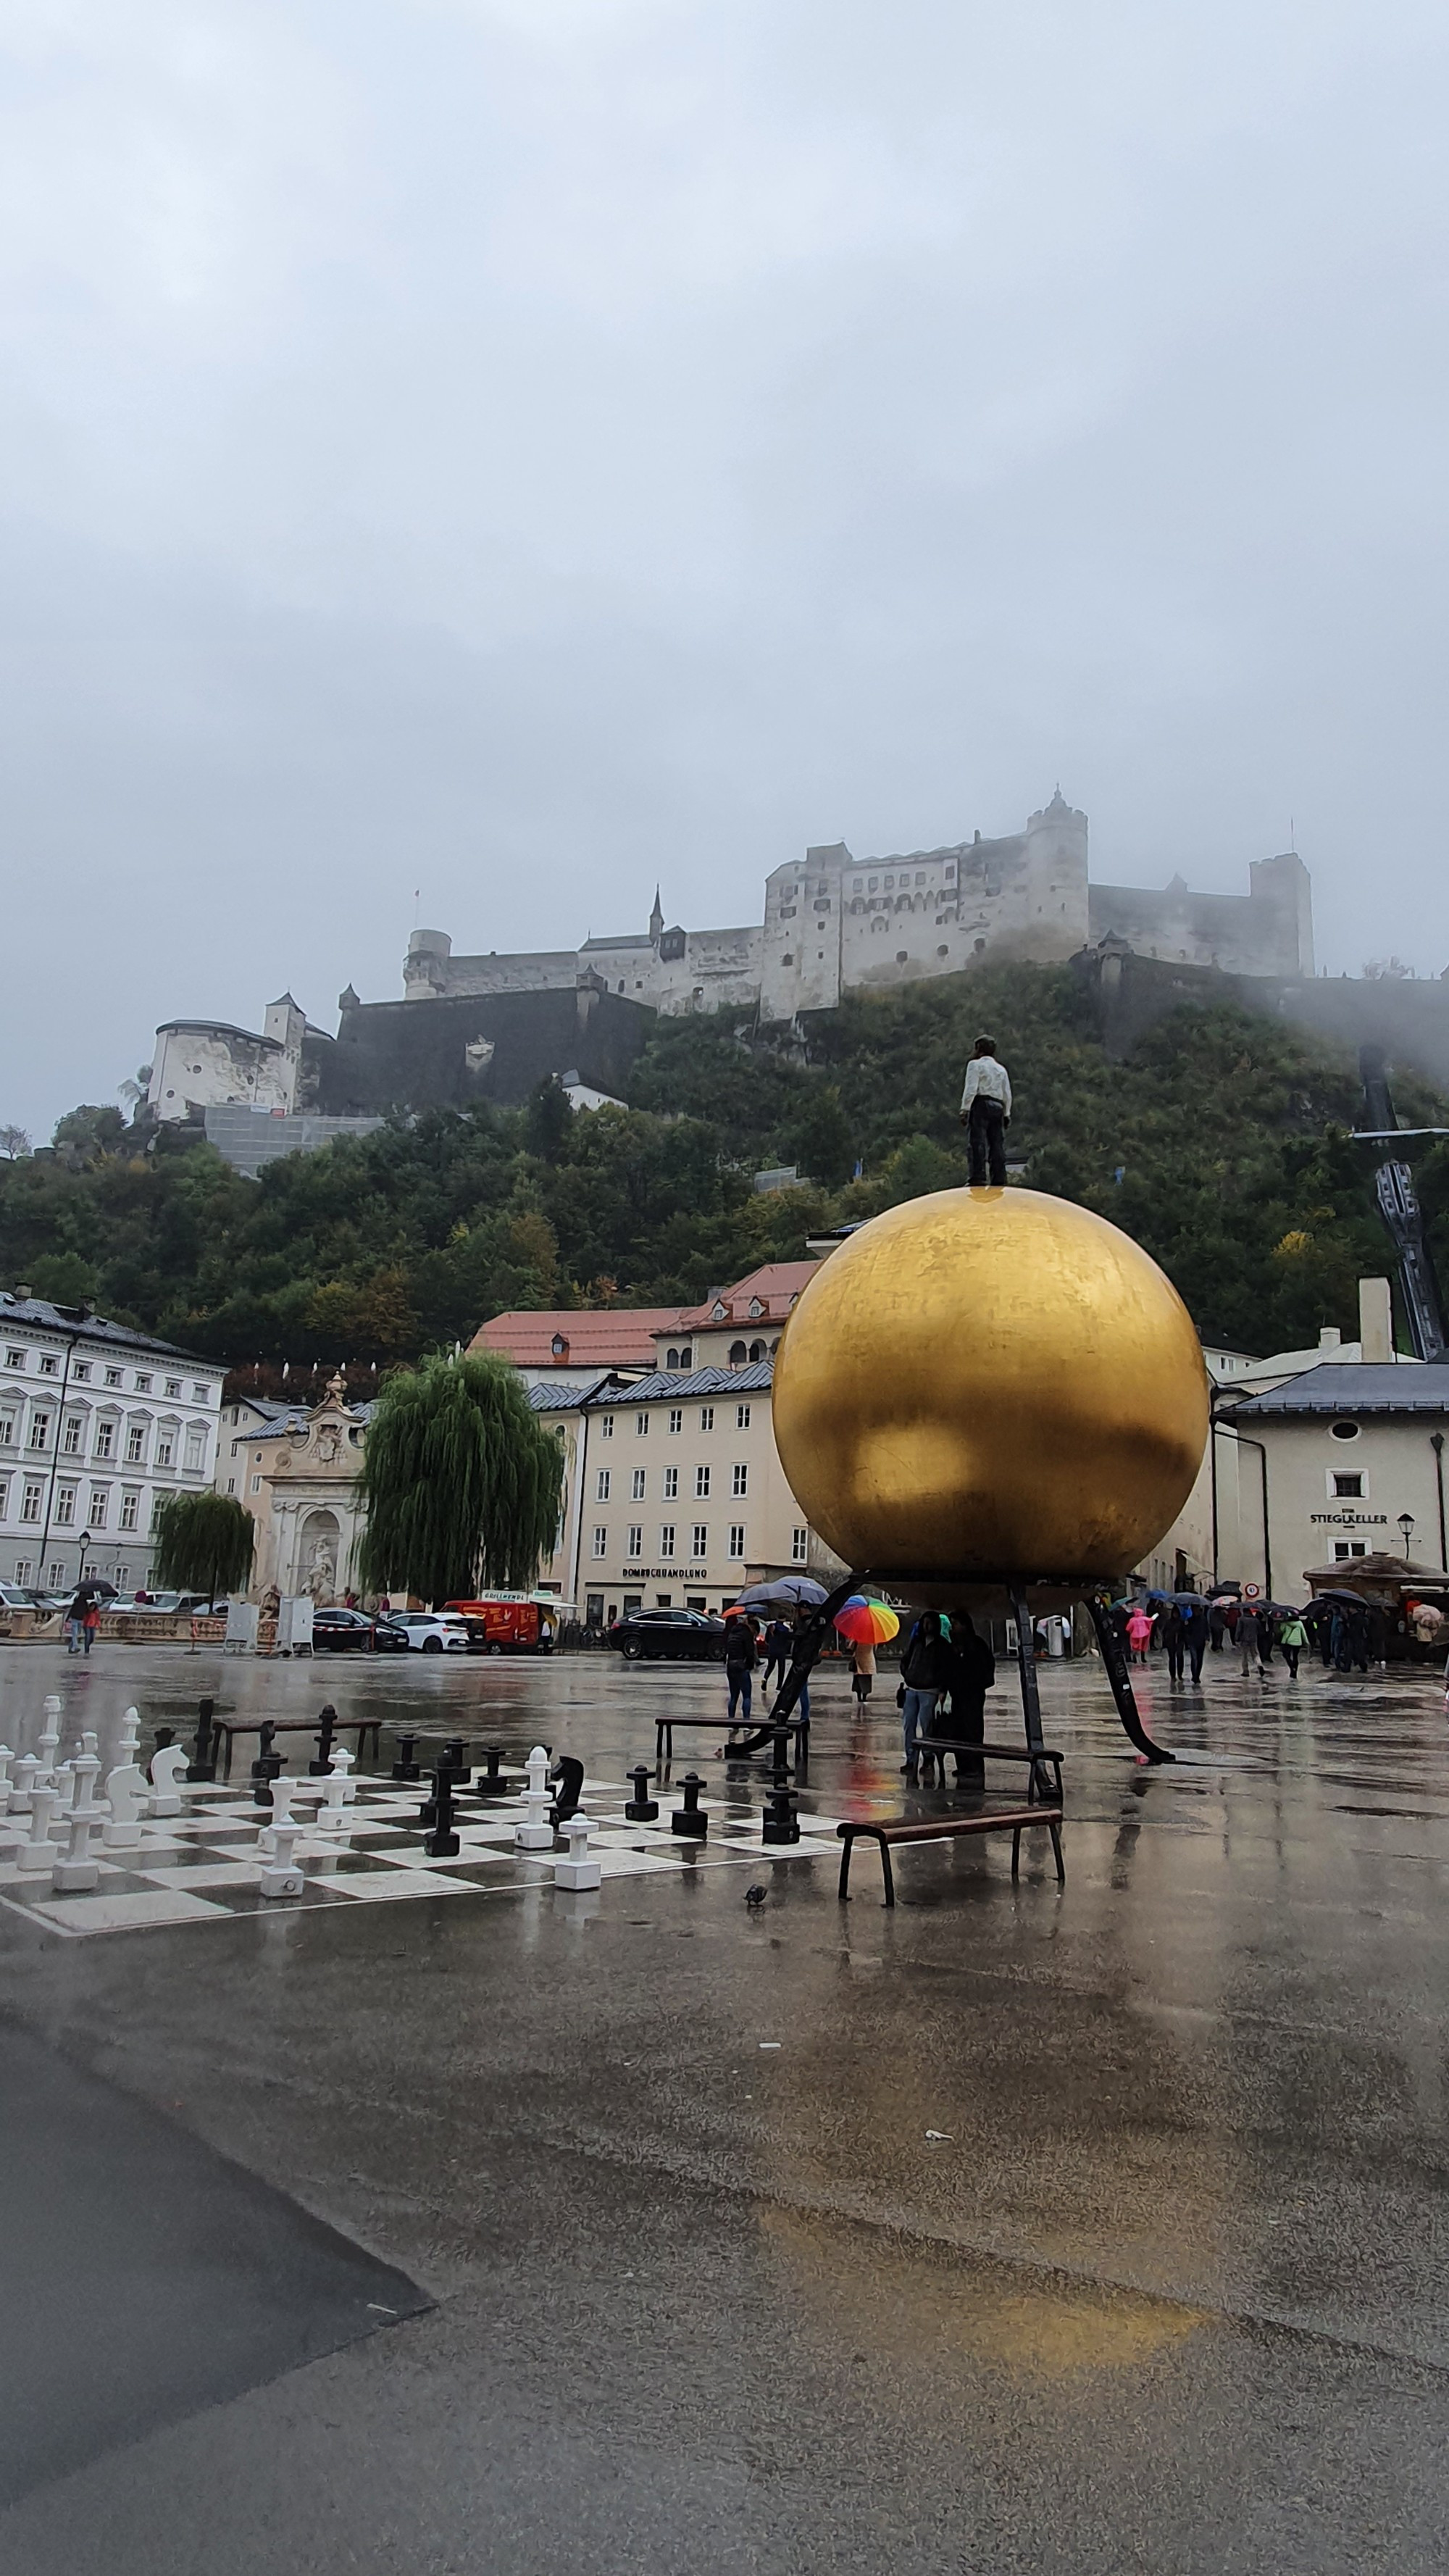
835,924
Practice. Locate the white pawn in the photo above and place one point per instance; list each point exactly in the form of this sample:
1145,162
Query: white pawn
39,1852
281,1876
536,1833
342,1762
78,1871
577,1871
167,1767
125,1795
27,1771
332,1817
6,1758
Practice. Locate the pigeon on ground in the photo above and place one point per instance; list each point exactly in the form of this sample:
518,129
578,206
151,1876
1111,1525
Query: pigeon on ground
756,1895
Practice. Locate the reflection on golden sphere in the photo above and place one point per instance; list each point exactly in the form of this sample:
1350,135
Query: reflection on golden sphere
990,1382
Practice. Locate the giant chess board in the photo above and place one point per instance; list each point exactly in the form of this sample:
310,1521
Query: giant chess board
205,1864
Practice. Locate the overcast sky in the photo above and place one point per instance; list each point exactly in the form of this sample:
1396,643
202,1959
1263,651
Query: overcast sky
518,449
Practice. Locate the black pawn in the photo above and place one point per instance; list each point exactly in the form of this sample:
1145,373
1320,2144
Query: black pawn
780,1823
266,1768
456,1765
406,1765
690,1820
442,1843
326,1724
491,1783
204,1765
641,1809
780,1768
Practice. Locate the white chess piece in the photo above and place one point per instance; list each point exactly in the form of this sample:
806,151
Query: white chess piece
578,1871
63,1783
86,1767
78,1871
332,1816
536,1833
27,1772
39,1852
284,1789
48,1741
6,1758
130,1737
281,1876
342,1762
167,1768
125,1796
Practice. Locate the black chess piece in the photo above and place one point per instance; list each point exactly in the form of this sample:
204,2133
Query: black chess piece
164,1735
456,1762
442,1843
492,1782
690,1820
326,1727
641,1809
267,1766
780,1823
406,1765
780,1768
204,1765
569,1775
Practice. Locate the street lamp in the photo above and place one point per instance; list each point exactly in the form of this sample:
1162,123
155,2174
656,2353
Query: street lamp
84,1545
1406,1530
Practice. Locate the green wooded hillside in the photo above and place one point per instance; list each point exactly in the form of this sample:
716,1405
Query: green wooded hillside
1222,1146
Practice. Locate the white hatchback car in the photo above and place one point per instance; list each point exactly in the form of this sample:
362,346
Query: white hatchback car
432,1632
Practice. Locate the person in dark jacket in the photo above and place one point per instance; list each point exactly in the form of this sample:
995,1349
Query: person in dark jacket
777,1649
925,1673
1174,1635
740,1660
973,1671
1217,1627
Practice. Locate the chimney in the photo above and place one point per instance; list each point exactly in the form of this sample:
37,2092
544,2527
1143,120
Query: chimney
1375,1319
1329,1337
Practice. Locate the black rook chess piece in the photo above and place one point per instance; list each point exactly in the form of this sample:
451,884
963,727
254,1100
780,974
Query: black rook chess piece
641,1809
455,1762
442,1843
690,1820
406,1765
492,1783
326,1724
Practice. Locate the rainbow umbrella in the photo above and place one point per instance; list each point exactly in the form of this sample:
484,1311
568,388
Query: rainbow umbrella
865,1622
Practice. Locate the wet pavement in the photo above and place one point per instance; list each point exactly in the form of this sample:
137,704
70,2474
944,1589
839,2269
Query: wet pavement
1098,2228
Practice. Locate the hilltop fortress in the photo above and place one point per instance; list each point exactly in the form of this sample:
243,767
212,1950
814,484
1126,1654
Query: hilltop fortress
834,924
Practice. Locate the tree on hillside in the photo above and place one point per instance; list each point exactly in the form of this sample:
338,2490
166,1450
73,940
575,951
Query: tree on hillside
84,1133
14,1141
204,1543
460,1482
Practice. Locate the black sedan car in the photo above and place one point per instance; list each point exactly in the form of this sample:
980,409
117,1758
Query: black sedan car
338,1631
676,1634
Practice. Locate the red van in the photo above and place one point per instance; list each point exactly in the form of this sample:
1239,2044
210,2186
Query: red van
511,1623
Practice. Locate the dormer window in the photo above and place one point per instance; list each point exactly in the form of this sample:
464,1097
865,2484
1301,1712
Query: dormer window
755,1307
719,1312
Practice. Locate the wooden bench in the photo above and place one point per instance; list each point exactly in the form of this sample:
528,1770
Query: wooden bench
1042,1758
1041,1813
761,1730
229,1728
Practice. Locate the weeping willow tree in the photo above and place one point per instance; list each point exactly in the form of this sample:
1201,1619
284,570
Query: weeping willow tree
204,1543
460,1482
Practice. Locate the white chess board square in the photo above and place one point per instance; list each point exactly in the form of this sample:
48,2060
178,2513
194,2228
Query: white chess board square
126,1913
213,1873
400,1882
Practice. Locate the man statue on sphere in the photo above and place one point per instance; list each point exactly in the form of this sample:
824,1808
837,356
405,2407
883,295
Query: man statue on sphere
986,1115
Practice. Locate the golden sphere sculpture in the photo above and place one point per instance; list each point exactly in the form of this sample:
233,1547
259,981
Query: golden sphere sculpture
990,1382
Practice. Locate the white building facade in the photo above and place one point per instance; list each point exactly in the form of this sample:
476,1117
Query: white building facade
98,1425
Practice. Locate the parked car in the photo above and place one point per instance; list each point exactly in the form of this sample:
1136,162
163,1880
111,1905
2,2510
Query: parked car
341,1631
429,1632
674,1633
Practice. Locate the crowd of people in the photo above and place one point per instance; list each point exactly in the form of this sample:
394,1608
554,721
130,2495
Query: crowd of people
1347,1635
946,1669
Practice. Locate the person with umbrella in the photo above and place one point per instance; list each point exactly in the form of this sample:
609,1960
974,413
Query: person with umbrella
777,1649
973,1671
740,1659
864,1624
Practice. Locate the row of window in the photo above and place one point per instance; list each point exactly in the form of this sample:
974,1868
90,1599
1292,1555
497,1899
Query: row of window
698,1542
58,1574
82,1371
676,1418
64,1513
103,1442
604,1481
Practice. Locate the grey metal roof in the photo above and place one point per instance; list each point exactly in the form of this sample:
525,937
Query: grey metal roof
671,1384
565,1396
42,1316
1341,1387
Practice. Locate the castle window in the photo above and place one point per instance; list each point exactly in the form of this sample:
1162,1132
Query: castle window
621,983
920,876
686,1356
979,948
757,1350
737,1355
888,882
875,881
787,959
857,907
878,923
943,950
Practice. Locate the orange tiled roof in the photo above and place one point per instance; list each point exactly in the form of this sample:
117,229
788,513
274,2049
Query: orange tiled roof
774,1287
599,1337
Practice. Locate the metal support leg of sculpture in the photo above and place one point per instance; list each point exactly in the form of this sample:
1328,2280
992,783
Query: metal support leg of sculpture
1030,1696
1115,1661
